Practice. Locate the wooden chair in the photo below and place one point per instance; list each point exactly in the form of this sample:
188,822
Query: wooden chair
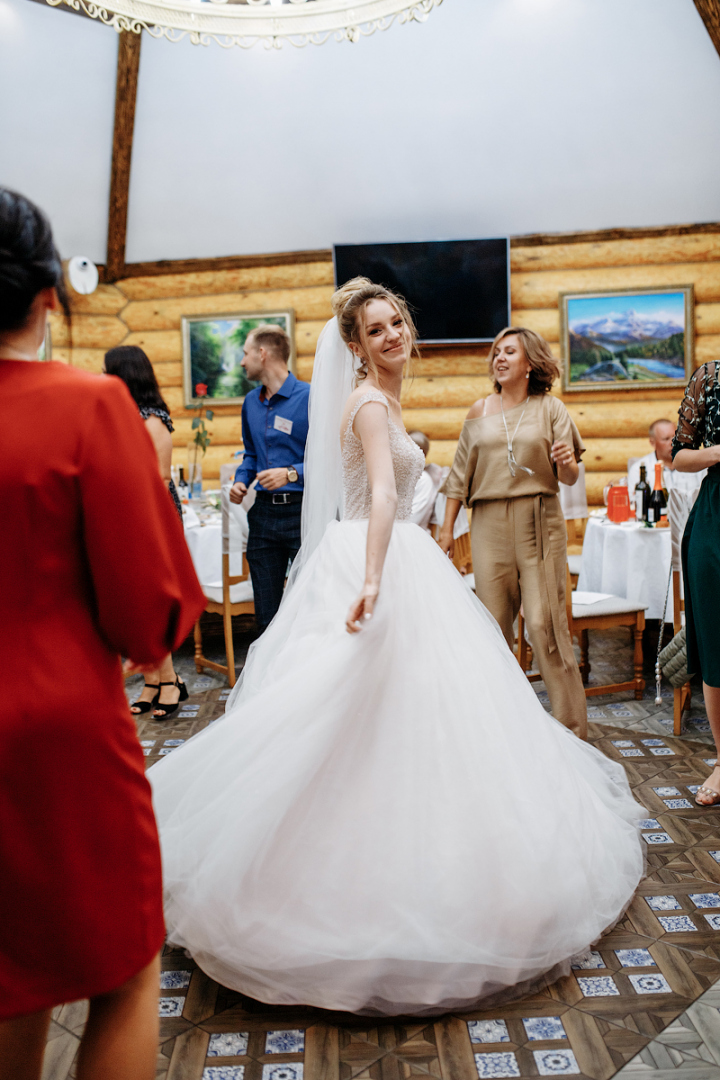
615,611
679,507
231,596
574,505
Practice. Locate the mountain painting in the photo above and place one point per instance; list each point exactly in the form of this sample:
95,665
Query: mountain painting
627,340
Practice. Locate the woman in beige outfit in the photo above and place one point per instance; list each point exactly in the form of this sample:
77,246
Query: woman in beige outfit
514,447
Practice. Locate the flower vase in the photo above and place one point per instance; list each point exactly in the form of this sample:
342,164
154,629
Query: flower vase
194,474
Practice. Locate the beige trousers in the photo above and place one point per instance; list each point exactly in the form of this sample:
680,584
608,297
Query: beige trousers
519,549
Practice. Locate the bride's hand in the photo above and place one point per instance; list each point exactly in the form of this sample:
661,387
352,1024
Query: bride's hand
361,609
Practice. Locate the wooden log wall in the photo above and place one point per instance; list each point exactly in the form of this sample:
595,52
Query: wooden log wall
146,311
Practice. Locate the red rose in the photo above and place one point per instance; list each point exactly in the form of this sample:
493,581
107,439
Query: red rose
201,389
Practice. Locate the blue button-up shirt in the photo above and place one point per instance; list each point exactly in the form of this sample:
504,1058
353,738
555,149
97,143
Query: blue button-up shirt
274,432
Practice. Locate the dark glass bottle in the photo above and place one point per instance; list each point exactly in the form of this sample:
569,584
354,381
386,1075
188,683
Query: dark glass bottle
642,496
183,489
657,506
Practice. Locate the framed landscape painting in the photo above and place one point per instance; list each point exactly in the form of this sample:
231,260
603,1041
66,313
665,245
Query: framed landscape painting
632,340
213,348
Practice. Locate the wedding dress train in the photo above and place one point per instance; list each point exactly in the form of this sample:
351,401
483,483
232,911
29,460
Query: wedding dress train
389,822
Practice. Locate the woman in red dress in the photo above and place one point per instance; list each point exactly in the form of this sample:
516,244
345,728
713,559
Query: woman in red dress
92,567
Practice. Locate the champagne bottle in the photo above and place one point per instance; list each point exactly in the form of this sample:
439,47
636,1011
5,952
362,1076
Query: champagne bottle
642,496
657,506
183,489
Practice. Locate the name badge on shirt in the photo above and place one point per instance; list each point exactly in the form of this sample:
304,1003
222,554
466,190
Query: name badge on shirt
283,425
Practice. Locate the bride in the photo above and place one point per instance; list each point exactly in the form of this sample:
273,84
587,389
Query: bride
385,820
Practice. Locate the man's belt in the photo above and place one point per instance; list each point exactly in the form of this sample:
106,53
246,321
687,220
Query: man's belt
280,498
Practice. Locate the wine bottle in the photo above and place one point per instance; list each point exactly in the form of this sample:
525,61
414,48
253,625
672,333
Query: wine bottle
657,505
183,489
642,496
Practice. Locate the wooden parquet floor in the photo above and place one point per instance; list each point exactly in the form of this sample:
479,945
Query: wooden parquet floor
643,1002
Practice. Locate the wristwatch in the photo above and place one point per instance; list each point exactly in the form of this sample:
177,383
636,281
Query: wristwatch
293,475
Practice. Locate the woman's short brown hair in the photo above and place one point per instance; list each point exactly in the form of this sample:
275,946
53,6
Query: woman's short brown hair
350,301
545,369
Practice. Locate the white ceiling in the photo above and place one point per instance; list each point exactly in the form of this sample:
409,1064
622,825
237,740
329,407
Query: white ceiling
494,117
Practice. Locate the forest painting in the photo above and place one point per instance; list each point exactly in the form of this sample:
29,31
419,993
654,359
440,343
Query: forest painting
213,349
627,340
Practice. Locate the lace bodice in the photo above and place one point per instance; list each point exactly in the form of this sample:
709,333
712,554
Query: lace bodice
408,464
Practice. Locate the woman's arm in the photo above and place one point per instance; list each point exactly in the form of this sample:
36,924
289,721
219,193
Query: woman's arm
371,427
566,467
162,441
696,460
446,537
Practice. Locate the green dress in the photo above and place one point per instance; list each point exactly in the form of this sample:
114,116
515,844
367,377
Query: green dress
699,425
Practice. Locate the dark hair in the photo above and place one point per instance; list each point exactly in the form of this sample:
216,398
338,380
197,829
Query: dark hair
29,261
131,364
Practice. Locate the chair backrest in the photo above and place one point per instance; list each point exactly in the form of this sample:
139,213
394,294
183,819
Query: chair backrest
234,538
680,503
227,473
573,500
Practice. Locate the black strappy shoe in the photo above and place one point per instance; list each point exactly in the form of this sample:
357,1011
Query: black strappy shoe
168,710
141,707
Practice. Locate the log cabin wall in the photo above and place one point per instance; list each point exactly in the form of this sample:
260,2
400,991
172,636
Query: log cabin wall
146,311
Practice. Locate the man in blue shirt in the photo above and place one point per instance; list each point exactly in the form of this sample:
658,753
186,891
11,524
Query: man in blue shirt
274,430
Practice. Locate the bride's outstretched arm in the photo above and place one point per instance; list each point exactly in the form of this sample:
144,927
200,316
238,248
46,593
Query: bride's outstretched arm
371,427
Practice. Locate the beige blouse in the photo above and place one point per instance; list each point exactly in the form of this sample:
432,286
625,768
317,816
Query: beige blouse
480,469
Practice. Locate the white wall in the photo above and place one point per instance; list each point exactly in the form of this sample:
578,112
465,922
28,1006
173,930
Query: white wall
57,95
495,116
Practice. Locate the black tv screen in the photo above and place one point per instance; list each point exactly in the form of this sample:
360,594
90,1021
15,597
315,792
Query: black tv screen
459,290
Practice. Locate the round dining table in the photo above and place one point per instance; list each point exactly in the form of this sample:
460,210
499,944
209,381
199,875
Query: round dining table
628,560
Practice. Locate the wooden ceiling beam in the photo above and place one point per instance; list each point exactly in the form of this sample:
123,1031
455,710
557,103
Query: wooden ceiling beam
709,12
128,63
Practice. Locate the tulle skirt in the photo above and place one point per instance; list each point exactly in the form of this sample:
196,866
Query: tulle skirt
389,822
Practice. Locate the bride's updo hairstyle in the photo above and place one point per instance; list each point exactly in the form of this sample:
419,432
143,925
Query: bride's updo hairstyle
29,261
349,303
544,368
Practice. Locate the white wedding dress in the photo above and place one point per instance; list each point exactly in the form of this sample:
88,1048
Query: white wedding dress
389,822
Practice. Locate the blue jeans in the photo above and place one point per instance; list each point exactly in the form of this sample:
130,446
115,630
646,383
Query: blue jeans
273,542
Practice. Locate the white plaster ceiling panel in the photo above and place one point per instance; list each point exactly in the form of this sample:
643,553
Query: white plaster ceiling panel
57,89
495,116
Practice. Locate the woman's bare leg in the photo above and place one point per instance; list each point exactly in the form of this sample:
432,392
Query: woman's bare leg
169,695
152,678
22,1046
121,1035
712,704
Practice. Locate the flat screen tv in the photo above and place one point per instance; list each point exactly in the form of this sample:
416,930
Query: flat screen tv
459,290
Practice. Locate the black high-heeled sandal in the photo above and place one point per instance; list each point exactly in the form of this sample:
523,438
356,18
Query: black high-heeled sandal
141,707
168,710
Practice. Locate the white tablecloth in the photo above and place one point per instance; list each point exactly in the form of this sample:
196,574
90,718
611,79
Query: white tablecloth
205,543
627,560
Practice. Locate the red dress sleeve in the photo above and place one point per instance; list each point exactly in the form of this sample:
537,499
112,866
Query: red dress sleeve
146,591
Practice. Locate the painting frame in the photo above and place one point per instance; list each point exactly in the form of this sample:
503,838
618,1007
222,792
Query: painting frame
220,328
639,377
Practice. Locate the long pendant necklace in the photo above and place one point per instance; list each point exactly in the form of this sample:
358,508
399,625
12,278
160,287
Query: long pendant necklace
514,465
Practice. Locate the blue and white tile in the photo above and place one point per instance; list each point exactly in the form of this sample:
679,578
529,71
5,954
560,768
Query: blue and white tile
490,1066
488,1031
657,838
649,823
619,708
662,751
598,986
667,792
175,980
653,742
693,788
544,1027
166,750
146,751
228,1044
290,1041
678,804
650,984
631,753
663,903
705,899
556,1062
635,958
224,1072
148,742
173,742
715,855
285,1071
204,682
171,1006
622,744
711,761
677,924
587,961
713,921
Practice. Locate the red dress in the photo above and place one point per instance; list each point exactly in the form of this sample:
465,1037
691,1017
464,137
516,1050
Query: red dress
93,565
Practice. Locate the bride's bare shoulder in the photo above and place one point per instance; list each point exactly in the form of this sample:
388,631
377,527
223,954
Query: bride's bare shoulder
357,395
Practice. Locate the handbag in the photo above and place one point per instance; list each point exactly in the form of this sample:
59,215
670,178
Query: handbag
673,660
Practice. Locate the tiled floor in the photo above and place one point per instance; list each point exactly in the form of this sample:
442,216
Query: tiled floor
643,1002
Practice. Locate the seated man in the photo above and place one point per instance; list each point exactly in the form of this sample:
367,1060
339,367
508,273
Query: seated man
661,434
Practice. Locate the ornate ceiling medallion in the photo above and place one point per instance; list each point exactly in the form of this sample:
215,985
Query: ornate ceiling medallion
247,22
